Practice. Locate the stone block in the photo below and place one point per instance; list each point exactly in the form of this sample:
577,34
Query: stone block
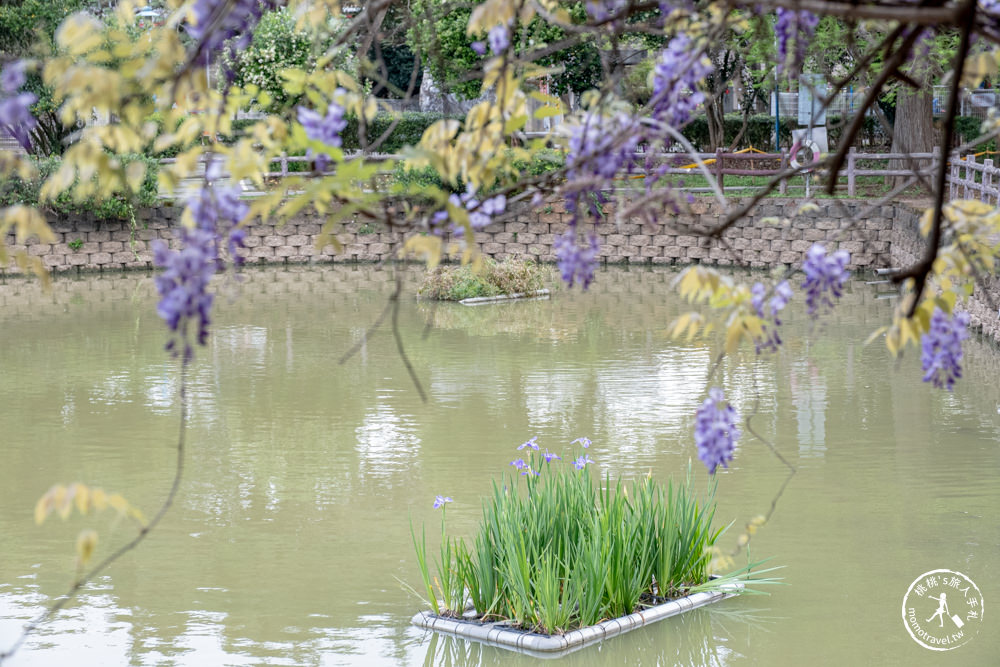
760,244
780,245
262,251
852,246
801,246
664,240
297,240
518,227
814,234
53,261
651,251
493,248
685,241
112,246
697,252
274,240
99,236
515,248
39,249
100,258
285,251
770,232
617,240
77,259
308,228
790,257
537,227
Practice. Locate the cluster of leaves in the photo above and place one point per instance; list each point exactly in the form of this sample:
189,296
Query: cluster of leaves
554,553
513,275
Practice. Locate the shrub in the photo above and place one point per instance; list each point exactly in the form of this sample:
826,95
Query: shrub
118,206
555,553
406,132
511,276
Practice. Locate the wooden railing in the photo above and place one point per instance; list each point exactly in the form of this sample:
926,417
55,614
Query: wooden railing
967,177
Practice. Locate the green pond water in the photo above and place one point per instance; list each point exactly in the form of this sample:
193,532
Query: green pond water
290,536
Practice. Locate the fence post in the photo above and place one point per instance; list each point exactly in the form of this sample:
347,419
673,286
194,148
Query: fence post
782,187
954,179
987,181
850,171
284,164
970,176
719,175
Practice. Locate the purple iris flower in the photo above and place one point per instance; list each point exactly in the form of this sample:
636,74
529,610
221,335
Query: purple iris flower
549,457
440,501
583,441
581,462
530,443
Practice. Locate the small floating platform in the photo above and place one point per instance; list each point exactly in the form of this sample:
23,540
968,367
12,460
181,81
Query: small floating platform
554,646
482,300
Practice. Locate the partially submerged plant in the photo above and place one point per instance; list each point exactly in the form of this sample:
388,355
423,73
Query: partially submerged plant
511,276
556,553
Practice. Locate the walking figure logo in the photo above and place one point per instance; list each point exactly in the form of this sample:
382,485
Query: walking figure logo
929,594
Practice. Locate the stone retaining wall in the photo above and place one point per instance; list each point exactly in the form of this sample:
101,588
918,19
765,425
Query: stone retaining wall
773,234
907,247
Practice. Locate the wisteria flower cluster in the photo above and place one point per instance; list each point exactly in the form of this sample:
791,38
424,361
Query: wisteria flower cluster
676,77
325,129
796,29
577,262
229,24
599,149
941,348
183,285
602,10
715,431
15,107
825,277
481,213
498,38
768,311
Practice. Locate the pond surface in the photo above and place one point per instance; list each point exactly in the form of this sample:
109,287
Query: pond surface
290,537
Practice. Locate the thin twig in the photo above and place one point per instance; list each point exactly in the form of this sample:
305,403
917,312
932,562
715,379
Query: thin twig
144,532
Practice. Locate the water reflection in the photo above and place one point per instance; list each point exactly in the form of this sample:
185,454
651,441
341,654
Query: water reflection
292,531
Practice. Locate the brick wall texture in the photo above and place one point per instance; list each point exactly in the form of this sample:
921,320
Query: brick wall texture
775,233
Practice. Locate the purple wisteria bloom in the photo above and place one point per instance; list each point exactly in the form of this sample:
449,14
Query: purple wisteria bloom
576,262
602,10
549,457
441,501
797,28
183,285
183,288
581,462
715,431
583,441
530,443
679,70
479,47
480,213
825,278
499,38
599,149
769,312
325,129
15,107
213,23
941,353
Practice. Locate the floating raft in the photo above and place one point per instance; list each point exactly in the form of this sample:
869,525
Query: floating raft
480,300
553,646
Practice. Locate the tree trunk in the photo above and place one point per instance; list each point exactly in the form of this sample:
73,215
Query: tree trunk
913,129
